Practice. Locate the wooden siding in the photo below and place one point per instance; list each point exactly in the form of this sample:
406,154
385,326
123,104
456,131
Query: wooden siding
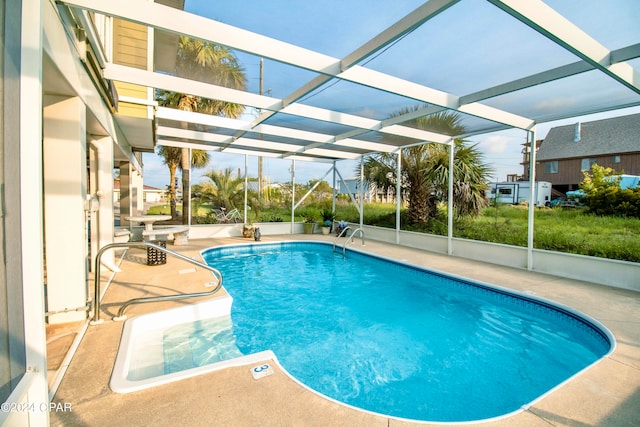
134,91
130,44
629,163
130,49
569,173
132,110
129,89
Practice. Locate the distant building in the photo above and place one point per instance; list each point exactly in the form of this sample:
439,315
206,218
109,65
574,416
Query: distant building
526,159
569,150
154,195
149,194
370,193
352,186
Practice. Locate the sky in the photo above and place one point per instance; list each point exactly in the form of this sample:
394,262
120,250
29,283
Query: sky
336,27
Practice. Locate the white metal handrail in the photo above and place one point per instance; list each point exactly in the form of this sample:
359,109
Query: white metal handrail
349,239
342,233
96,297
344,247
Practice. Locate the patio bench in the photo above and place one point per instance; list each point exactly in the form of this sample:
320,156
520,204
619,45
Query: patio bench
121,235
180,234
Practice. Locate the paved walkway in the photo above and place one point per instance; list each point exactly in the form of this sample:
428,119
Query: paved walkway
607,394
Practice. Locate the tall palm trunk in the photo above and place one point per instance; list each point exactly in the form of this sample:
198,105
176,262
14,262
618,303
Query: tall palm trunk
419,210
172,192
186,103
186,185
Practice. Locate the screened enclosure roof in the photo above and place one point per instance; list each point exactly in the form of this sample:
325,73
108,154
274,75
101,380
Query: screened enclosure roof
344,78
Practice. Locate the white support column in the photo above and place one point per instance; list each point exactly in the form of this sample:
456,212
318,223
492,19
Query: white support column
333,189
532,205
186,193
92,204
398,194
246,185
25,370
452,145
137,192
361,191
293,194
102,190
125,193
65,178
131,191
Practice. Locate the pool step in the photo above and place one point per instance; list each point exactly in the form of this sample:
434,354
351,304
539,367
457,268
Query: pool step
200,343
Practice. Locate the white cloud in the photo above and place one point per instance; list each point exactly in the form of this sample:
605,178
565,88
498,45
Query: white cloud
495,144
502,152
554,105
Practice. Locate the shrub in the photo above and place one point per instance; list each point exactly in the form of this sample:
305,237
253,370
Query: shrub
603,195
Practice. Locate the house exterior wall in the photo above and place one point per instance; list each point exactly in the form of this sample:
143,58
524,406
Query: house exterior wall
129,44
12,352
131,48
23,363
130,41
65,190
133,91
613,142
629,164
570,172
154,196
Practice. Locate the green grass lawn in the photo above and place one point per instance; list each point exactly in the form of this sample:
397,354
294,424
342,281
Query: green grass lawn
562,230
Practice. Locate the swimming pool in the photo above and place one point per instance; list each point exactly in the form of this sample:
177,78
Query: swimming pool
399,340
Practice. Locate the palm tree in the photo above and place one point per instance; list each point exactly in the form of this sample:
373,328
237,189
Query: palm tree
425,169
226,189
173,158
209,63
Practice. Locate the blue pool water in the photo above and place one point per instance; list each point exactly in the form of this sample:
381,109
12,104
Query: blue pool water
394,339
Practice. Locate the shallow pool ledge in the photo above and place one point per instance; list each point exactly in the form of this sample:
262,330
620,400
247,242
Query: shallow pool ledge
134,373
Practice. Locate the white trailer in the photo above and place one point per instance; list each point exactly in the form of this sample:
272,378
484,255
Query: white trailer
515,192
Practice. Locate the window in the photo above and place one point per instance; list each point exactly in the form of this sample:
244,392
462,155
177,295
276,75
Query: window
585,164
551,167
616,159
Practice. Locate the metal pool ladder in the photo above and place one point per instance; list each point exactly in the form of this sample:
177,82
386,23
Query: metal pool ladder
96,303
349,239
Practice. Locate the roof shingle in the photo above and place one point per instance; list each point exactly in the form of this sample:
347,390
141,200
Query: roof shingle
616,135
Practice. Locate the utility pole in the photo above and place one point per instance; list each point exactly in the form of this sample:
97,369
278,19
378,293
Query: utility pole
260,157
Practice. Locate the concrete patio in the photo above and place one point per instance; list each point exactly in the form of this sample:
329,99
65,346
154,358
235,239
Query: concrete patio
607,394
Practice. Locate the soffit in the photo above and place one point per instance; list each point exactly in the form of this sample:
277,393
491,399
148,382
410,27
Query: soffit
138,131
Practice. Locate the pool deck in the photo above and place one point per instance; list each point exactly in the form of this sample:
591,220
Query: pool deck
606,394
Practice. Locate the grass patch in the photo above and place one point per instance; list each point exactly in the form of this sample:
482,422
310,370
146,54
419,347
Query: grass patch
562,230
